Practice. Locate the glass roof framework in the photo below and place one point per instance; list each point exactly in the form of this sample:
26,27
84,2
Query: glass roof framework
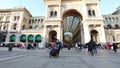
70,23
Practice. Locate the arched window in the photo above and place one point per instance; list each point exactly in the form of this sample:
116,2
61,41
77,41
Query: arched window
0,27
30,27
23,27
117,19
15,18
4,27
36,27
55,13
51,14
33,21
109,26
89,13
41,20
38,21
15,26
93,12
116,26
18,17
94,35
109,19
29,21
106,19
113,19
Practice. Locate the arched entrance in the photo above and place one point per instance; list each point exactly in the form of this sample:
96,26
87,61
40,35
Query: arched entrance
52,35
72,26
94,35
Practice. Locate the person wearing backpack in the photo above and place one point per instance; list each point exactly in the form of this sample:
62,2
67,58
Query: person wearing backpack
58,45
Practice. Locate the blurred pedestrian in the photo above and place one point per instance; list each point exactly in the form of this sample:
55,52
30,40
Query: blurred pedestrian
109,45
10,46
76,46
69,46
114,47
91,45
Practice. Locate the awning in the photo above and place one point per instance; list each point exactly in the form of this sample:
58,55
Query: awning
38,38
30,38
23,38
13,38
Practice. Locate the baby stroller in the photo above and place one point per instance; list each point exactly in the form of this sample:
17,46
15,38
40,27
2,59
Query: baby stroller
54,52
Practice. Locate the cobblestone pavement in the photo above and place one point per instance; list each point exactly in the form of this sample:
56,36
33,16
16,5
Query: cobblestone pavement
39,58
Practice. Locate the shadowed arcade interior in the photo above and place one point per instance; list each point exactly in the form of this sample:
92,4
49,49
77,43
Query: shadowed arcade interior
71,26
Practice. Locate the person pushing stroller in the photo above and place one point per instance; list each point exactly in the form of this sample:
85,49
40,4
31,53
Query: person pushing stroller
56,47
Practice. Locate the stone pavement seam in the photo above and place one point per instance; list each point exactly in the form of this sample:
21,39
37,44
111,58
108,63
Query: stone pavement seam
13,57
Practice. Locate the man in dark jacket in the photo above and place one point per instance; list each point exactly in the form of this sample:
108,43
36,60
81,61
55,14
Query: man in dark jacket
91,45
115,47
59,45
10,46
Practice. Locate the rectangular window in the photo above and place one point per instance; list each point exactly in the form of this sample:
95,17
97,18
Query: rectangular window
7,18
89,13
0,18
14,18
29,21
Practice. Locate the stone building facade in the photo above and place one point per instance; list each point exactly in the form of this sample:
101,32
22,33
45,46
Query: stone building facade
70,21
17,25
81,18
112,26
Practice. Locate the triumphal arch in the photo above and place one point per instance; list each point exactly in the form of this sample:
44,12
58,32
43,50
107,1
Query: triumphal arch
72,21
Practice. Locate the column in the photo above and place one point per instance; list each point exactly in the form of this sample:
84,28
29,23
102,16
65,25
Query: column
82,33
61,33
44,35
7,37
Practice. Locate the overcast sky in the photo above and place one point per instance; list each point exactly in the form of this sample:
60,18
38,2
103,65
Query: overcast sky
37,7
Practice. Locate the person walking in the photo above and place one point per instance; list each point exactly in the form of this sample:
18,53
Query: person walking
109,45
80,47
76,46
10,47
91,44
59,46
69,46
114,47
